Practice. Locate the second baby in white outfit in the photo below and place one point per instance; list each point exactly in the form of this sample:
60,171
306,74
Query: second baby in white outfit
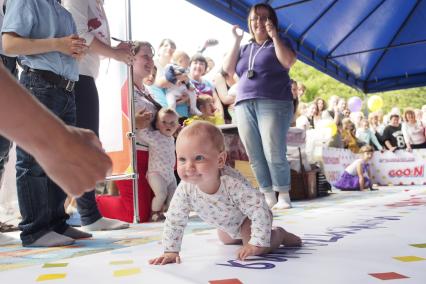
162,159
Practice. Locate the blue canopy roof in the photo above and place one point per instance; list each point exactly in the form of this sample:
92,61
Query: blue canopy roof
371,45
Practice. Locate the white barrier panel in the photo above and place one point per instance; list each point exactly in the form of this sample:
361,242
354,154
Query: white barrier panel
112,88
398,168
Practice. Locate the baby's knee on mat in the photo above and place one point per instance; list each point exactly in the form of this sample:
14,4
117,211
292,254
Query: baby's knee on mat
226,239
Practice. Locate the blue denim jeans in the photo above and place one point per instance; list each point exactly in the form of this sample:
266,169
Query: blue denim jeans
263,125
87,116
41,201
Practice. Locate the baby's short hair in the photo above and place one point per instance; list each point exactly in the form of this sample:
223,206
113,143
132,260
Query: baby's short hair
163,111
208,131
179,54
203,100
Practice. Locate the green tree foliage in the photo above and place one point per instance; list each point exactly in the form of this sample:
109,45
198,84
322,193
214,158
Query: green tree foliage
321,85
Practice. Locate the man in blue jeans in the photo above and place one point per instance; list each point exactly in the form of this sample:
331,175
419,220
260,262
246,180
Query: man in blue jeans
43,34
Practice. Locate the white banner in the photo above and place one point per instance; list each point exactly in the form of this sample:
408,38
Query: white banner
357,238
112,88
388,168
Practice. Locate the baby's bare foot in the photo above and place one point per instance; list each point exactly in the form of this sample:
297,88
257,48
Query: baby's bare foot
289,239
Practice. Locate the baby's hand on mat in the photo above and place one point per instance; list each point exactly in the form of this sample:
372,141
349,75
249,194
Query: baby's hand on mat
248,250
167,257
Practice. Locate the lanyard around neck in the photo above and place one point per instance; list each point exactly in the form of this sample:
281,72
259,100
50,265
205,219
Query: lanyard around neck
145,94
251,57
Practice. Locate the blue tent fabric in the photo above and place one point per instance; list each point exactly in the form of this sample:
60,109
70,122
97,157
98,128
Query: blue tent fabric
371,45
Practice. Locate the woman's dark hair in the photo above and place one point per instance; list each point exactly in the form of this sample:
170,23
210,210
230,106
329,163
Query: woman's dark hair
171,42
409,111
324,103
139,44
200,58
272,15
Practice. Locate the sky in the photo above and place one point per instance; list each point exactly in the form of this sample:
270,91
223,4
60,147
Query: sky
179,20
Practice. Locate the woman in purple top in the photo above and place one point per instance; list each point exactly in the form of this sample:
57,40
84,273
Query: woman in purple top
264,108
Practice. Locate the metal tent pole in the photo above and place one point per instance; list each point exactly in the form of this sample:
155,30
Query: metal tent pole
131,135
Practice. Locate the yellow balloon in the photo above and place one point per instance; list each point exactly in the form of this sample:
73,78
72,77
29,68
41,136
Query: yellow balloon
333,128
329,126
375,103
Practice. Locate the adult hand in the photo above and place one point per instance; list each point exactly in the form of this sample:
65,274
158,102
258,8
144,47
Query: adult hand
167,257
237,33
124,45
143,119
75,161
124,55
271,29
182,77
72,45
248,250
336,109
210,42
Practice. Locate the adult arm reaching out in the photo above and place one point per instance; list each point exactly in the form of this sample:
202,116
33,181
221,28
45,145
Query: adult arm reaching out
71,157
230,61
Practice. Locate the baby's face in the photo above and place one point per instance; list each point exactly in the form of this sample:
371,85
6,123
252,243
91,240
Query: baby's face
208,109
198,160
183,62
167,124
367,156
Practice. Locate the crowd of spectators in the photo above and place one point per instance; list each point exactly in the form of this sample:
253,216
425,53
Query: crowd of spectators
396,130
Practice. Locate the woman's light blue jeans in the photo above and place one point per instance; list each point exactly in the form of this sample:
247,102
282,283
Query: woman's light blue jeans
263,125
